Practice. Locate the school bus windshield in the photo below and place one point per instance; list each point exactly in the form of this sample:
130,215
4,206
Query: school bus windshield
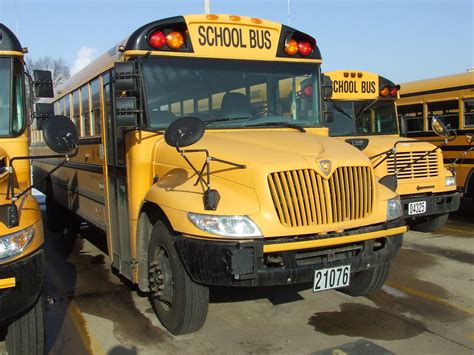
232,94
352,118
11,108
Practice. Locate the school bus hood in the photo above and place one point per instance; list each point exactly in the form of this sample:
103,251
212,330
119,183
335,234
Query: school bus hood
265,151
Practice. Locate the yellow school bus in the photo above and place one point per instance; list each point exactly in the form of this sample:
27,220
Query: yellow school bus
21,229
450,98
21,226
362,111
204,166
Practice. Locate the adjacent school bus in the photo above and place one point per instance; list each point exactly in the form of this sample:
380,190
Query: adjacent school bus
450,98
261,197
21,228
363,112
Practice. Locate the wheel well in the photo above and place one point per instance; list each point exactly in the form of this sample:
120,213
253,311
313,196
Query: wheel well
150,213
469,187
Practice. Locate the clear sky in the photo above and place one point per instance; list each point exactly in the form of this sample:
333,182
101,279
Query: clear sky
402,40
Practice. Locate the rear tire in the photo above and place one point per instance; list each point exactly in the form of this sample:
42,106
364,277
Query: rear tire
430,225
180,303
367,281
26,334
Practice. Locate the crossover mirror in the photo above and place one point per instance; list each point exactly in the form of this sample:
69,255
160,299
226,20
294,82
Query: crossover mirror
469,138
60,134
184,131
439,127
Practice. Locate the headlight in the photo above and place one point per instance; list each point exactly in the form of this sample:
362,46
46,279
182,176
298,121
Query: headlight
227,226
450,181
394,208
13,244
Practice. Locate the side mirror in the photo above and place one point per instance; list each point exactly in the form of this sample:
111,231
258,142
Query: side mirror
126,112
328,116
403,125
439,127
60,134
125,76
184,131
43,83
326,86
43,112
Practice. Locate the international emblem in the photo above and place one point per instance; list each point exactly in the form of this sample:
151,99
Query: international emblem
325,166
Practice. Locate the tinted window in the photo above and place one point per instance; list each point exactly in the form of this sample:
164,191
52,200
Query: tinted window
448,111
95,108
76,110
469,112
413,115
86,118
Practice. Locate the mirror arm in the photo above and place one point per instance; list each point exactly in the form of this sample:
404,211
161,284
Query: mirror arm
61,164
10,189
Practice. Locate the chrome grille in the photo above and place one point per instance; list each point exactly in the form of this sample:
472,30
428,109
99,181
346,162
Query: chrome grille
425,167
303,197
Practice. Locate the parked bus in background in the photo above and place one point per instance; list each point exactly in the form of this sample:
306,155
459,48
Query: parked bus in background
450,98
361,110
261,197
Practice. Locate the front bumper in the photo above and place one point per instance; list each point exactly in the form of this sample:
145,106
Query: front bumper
435,204
28,274
246,263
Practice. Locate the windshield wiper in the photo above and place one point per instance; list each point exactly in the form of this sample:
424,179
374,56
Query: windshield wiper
339,109
226,119
279,124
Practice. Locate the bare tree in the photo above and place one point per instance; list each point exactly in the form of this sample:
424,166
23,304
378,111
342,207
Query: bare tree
58,67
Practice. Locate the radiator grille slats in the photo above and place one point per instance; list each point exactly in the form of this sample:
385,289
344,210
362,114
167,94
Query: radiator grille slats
303,197
425,167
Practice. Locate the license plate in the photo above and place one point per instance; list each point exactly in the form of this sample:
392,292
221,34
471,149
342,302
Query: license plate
333,277
416,207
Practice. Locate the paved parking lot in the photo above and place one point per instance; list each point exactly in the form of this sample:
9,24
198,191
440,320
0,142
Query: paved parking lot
425,307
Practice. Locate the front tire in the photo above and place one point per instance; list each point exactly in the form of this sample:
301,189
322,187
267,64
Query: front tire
430,225
367,281
180,303
26,334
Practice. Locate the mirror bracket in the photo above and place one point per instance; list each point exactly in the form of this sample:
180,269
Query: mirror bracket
9,215
184,132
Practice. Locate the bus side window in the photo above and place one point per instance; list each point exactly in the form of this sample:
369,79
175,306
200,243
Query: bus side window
67,106
469,112
76,111
85,116
414,116
95,107
448,111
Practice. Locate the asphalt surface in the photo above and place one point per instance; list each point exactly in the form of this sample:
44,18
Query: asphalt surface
425,307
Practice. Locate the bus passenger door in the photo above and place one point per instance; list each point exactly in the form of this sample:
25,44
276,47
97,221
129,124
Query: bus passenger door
117,192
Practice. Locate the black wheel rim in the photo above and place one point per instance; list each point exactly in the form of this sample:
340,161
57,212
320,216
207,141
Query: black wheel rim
161,278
